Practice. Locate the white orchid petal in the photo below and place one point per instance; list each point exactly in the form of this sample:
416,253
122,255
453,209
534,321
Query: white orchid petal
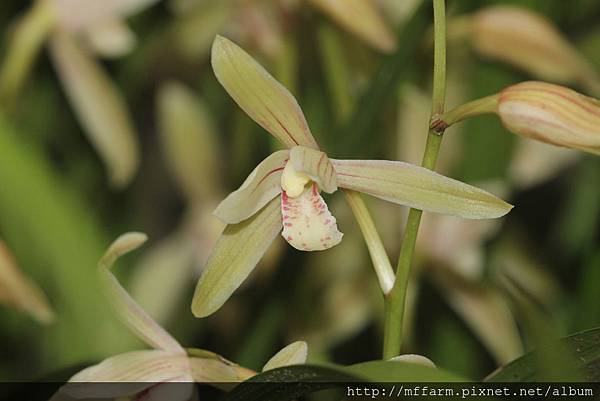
307,223
293,354
261,186
110,38
418,187
132,314
264,99
316,165
233,258
127,374
99,107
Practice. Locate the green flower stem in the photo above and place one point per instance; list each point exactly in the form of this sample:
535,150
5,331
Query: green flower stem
396,299
29,36
381,262
477,107
336,73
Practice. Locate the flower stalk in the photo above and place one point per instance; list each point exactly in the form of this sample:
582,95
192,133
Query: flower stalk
381,262
395,301
537,110
485,105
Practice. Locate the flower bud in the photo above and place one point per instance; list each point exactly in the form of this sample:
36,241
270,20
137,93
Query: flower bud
530,42
551,113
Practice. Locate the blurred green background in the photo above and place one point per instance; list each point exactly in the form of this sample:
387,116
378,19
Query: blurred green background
482,292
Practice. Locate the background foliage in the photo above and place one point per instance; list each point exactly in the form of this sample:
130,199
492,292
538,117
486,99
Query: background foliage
58,212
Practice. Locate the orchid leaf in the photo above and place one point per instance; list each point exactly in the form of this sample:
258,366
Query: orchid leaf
264,99
99,107
49,227
584,348
234,256
418,188
261,186
263,387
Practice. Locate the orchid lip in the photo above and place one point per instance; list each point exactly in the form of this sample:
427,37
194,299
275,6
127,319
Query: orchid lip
308,225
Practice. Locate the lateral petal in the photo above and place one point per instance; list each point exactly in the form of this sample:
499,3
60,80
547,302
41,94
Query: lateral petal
316,165
128,374
418,187
233,257
261,186
264,99
132,314
307,223
99,106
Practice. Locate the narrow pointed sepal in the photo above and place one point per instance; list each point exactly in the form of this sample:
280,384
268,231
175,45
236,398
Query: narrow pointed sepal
234,256
99,106
308,225
419,188
130,312
264,99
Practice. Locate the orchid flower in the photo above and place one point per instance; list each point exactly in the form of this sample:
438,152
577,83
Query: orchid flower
146,374
282,194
